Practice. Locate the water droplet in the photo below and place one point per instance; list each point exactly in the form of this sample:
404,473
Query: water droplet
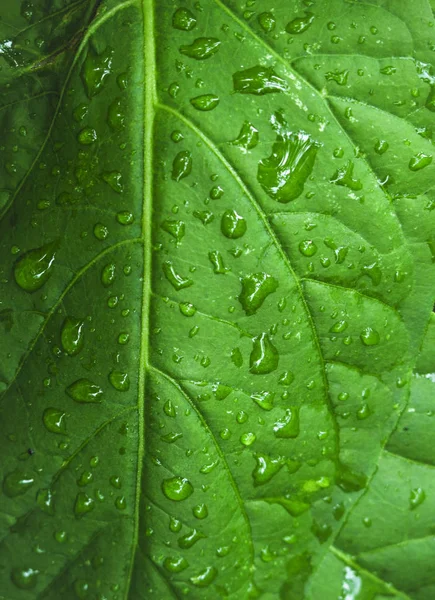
205,578
17,483
248,438
259,81
201,48
381,146
95,70
177,136
266,21
344,177
125,217
174,525
307,248
87,136
420,161
216,192
248,137
34,268
265,468
115,115
120,381
288,425
177,281
339,327
121,503
175,565
370,337
217,261
182,165
45,501
200,511
83,504
24,578
114,179
176,228
54,420
85,478
255,289
233,226
187,309
169,409
340,77
242,417
264,399
300,24
72,335
416,497
84,391
283,174
264,356
236,357
205,103
108,274
183,19
100,231
177,488
80,112
188,540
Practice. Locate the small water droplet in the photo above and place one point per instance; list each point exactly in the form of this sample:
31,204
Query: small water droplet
114,179
188,540
34,268
248,137
259,81
288,425
175,565
420,161
344,177
17,483
416,497
72,335
87,136
85,391
264,399
266,468
307,248
175,228
183,19
108,274
201,48
45,501
200,511
177,488
101,232
205,102
115,115
125,217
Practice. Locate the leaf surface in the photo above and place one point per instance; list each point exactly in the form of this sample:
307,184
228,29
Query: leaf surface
217,270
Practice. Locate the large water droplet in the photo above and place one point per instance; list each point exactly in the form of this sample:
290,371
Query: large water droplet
205,102
24,578
205,578
248,137
175,565
17,483
300,24
264,356
84,504
258,81
420,161
176,228
177,488
201,48
54,420
264,399
288,426
95,70
182,165
233,226
283,174
255,289
34,268
370,337
72,335
266,21
177,281
85,391
119,380
188,540
183,19
266,468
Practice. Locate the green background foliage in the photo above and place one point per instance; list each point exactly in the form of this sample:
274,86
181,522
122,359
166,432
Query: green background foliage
217,275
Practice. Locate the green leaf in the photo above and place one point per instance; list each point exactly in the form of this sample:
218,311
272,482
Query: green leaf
217,268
